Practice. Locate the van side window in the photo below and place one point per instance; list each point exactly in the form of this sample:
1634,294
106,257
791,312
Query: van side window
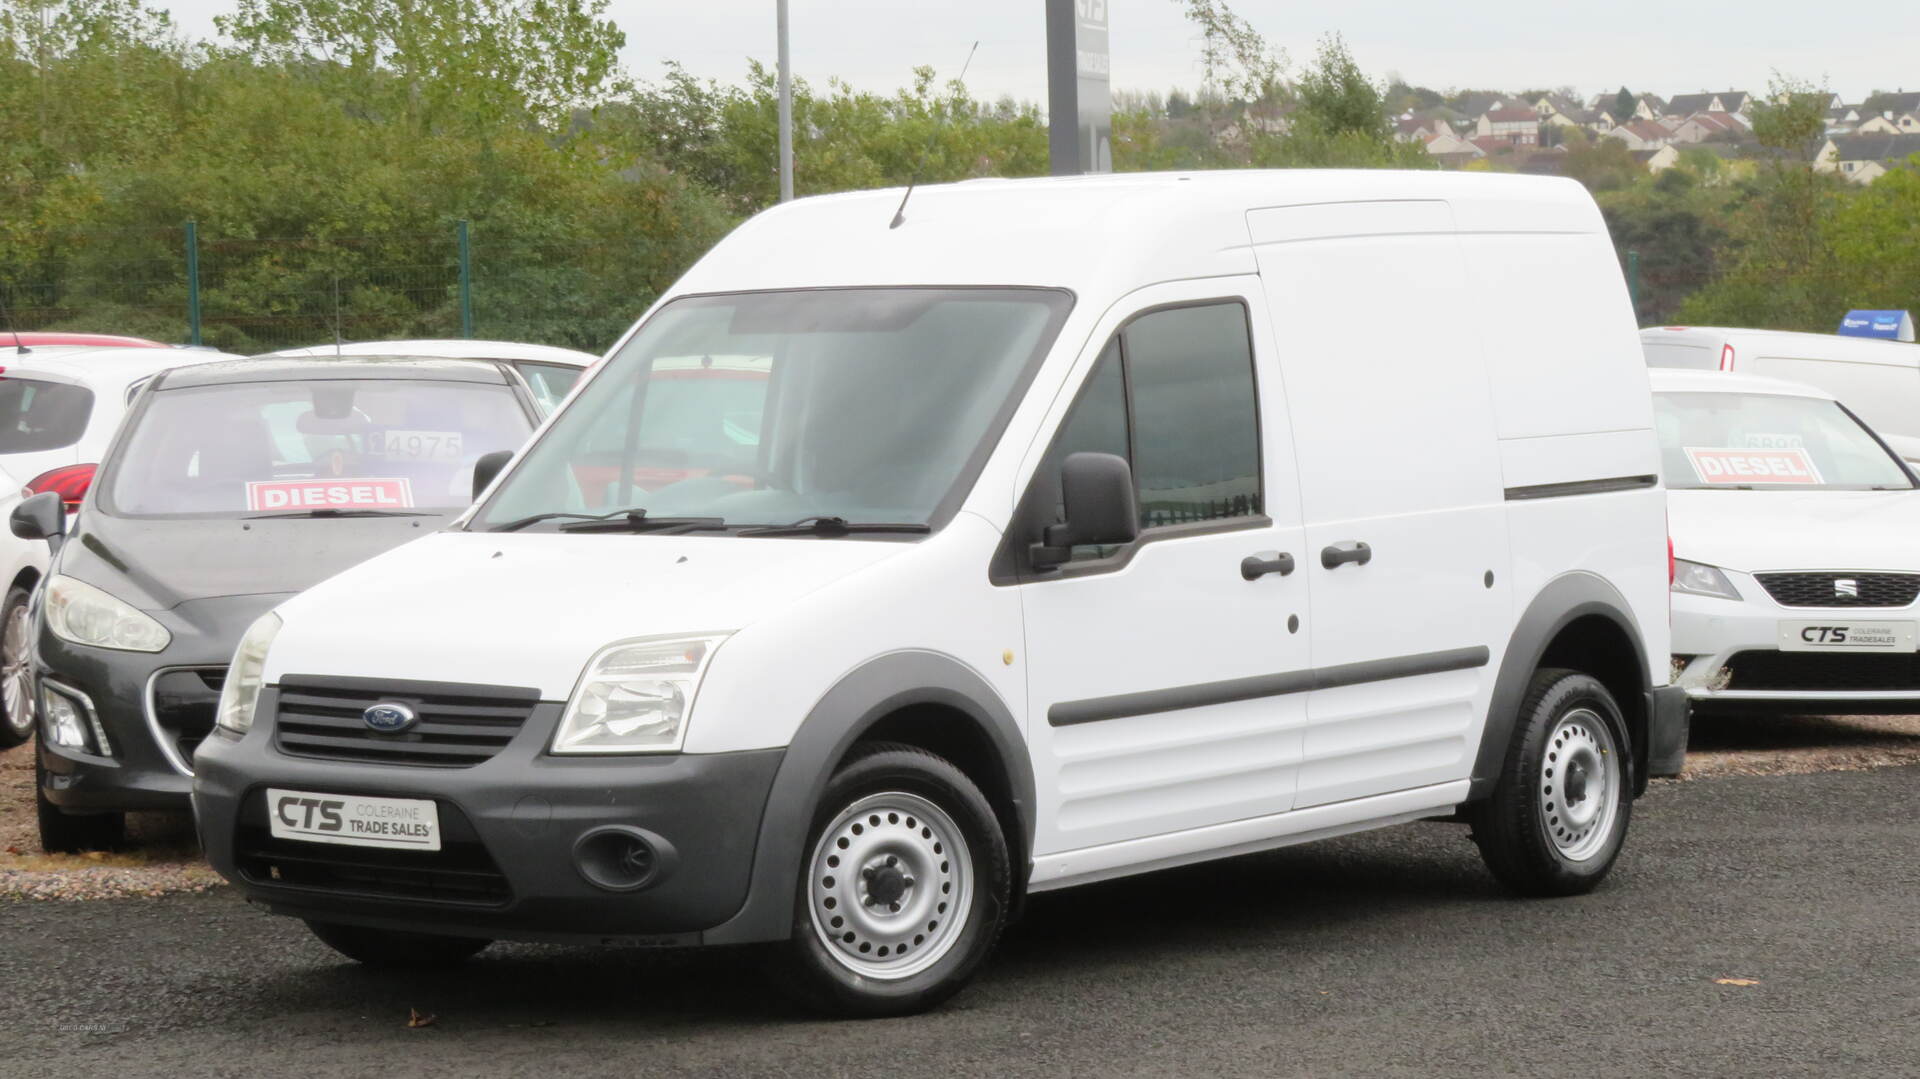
1173,394
1196,431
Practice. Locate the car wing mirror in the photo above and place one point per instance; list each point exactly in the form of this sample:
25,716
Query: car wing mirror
1097,492
40,517
488,467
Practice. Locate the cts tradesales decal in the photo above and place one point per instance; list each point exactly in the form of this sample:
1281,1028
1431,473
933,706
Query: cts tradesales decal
343,494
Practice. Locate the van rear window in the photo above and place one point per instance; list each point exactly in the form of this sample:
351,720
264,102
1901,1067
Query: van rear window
36,415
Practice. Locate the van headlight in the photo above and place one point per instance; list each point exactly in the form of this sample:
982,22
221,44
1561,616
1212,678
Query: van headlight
635,696
1700,579
241,691
80,613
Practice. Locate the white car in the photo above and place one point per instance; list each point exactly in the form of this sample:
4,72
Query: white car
548,371
24,563
1796,568
59,408
1878,379
1070,529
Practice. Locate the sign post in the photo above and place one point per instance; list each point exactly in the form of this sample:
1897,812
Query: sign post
1079,88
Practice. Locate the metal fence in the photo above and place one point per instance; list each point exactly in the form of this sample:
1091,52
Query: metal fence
254,294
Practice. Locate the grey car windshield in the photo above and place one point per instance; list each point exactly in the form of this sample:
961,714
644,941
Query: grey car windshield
1758,441
765,409
359,446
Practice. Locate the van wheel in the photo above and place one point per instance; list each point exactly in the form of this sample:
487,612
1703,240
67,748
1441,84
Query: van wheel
905,889
16,669
62,832
393,948
1559,810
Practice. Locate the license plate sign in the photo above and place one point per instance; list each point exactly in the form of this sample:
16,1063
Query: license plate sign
1839,635
355,820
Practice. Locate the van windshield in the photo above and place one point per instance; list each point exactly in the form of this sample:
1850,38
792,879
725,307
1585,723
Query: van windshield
742,411
1757,441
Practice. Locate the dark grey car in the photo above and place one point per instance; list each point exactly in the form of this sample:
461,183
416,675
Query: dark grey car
230,487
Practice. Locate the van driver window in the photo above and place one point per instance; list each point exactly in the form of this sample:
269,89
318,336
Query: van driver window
1172,393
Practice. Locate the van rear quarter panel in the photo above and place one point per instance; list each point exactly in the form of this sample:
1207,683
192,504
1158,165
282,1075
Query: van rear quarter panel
1571,403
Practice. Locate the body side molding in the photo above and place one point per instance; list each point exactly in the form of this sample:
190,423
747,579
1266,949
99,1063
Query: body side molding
1150,702
1580,487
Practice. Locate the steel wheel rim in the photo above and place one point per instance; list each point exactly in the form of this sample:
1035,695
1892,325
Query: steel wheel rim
890,886
1580,785
16,688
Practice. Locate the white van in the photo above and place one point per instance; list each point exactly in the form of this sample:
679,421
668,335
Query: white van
1879,380
892,568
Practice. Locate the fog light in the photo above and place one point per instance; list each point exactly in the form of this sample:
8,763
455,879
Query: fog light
70,722
622,859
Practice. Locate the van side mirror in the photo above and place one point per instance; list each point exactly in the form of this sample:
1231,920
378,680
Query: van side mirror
40,517
486,468
1097,491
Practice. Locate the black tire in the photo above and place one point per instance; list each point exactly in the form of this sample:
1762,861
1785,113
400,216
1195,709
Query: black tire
62,832
823,976
16,719
395,948
1525,832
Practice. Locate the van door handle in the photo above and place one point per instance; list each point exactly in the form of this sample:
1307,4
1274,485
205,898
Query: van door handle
1346,551
1253,567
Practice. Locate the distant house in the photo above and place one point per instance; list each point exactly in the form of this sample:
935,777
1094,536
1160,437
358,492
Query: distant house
1896,104
1478,104
1558,111
1420,128
1520,126
1489,145
1684,105
1702,126
1452,151
1865,158
1669,155
1641,135
1649,107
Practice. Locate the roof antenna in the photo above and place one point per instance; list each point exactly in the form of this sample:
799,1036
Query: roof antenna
900,215
336,317
7,314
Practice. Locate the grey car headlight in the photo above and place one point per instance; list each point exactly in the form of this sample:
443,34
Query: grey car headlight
245,675
635,696
80,613
1700,579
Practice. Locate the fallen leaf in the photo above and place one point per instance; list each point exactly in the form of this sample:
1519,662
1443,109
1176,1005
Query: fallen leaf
1735,981
417,1019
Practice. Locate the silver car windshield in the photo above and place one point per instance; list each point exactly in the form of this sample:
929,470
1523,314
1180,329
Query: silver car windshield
752,410
1758,441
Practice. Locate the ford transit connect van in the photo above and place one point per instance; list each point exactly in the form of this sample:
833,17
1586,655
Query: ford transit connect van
1046,532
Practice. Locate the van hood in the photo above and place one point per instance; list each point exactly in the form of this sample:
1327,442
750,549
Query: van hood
158,563
486,608
1757,531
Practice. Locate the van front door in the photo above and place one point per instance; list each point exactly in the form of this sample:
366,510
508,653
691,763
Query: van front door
1164,676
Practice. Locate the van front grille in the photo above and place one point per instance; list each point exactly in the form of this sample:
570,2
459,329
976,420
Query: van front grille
458,726
1841,589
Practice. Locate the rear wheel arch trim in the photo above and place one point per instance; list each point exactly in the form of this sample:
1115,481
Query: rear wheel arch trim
1564,600
862,698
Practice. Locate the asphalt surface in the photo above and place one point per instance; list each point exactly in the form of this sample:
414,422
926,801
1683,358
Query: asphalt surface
1391,953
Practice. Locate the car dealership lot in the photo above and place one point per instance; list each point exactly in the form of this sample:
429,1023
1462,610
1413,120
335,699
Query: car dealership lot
1387,953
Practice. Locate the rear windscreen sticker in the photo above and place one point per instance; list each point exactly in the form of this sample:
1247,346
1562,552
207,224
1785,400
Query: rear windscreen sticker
343,494
417,445
1787,465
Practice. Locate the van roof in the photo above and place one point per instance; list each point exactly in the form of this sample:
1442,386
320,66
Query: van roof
1100,235
1688,380
457,348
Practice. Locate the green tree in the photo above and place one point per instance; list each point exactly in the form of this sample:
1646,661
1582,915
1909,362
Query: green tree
1341,121
1624,103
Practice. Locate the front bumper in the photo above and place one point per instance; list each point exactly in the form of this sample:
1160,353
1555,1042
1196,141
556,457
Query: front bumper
1733,662
510,822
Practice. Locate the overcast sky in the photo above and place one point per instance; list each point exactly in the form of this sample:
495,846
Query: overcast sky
1665,46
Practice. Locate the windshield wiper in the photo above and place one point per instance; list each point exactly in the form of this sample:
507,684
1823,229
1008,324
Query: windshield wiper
324,512
837,526
638,521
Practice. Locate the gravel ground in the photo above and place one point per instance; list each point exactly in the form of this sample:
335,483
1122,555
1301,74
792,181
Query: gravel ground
165,860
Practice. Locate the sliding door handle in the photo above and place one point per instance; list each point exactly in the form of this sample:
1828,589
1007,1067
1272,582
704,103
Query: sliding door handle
1346,551
1253,567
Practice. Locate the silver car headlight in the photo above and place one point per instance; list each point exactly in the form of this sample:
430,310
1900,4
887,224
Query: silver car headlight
80,613
635,696
1700,579
245,676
